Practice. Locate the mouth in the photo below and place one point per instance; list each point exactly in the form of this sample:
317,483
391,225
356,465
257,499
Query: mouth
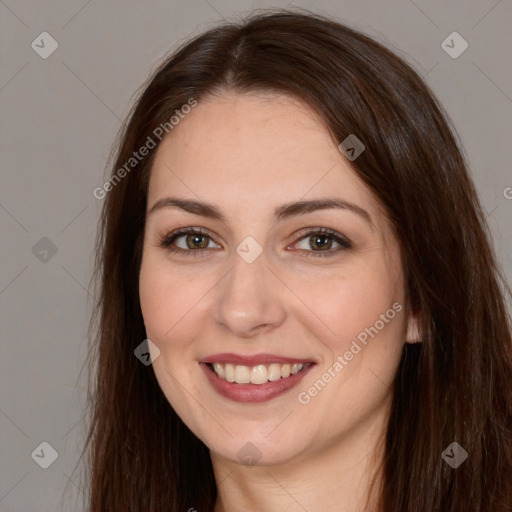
239,379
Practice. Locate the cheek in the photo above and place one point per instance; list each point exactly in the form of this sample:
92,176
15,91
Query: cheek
171,305
361,329
169,302
343,303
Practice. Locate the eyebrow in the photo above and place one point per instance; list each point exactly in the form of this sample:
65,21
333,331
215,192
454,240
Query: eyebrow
280,213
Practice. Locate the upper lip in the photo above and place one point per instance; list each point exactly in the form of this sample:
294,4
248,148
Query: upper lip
253,360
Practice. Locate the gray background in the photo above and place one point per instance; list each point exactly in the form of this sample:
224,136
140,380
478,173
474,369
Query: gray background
59,117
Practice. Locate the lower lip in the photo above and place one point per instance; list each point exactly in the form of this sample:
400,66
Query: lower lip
253,393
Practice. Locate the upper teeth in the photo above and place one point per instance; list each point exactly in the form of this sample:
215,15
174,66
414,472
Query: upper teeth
256,374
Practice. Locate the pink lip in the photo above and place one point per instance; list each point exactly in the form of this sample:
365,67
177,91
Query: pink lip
253,360
253,393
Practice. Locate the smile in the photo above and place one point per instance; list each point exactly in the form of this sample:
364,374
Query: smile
253,379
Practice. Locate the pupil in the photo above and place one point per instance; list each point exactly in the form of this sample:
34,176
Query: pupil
196,241
320,242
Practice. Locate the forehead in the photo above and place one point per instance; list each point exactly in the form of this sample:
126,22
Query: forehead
236,149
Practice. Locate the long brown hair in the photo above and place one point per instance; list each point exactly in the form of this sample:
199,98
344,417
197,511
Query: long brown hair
455,386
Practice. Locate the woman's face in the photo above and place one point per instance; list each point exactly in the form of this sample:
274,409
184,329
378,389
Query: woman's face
282,258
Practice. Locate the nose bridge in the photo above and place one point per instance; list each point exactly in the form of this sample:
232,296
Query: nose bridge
248,299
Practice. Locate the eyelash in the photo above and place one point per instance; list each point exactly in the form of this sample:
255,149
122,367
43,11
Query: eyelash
167,240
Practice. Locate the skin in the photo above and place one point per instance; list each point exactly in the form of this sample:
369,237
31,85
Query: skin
249,154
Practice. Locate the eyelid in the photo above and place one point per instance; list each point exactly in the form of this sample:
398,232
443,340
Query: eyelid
342,240
305,232
168,239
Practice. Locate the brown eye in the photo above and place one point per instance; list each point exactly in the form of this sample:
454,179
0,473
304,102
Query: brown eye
320,242
188,240
196,241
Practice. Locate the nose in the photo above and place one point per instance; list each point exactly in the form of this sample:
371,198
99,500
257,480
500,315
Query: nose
250,299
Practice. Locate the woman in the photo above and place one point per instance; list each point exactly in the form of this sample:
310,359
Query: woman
291,238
